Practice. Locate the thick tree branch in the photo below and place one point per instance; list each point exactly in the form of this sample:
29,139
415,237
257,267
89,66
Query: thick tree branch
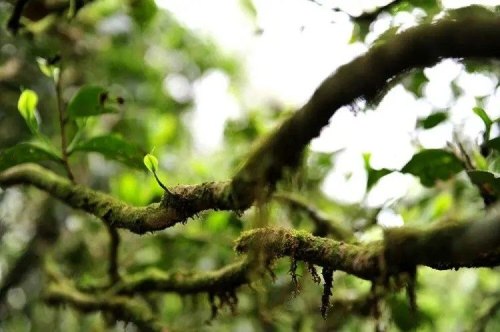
185,203
475,244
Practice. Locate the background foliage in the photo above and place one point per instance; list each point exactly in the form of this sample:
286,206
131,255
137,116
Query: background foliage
114,57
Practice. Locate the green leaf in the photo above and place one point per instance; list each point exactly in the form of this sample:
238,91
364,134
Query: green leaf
48,69
415,82
432,165
484,116
494,143
151,163
27,107
24,153
249,8
112,147
143,11
433,120
90,100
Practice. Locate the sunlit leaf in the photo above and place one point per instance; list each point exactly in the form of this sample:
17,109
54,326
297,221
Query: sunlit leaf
23,153
112,147
483,115
432,165
151,162
26,105
249,7
90,100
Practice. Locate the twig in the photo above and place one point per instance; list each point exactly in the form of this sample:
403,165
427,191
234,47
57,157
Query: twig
114,243
62,125
13,24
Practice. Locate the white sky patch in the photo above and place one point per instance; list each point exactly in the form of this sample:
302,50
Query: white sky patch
389,189
346,182
387,218
213,105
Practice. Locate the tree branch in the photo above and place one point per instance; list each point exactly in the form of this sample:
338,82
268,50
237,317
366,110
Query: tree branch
229,277
121,307
475,244
185,203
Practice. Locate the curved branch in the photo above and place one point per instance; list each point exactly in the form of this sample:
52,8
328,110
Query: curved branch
185,203
363,77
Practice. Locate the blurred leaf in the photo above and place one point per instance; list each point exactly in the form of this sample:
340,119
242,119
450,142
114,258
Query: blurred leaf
404,318
24,153
90,100
494,143
373,174
359,32
27,107
429,6
432,165
484,116
486,181
151,162
432,120
112,147
415,82
143,11
474,11
249,8
47,68
386,35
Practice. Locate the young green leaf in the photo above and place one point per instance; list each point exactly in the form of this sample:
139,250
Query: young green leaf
90,100
432,165
151,163
26,105
113,147
48,69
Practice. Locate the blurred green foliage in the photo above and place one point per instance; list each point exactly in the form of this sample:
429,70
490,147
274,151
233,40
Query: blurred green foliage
118,54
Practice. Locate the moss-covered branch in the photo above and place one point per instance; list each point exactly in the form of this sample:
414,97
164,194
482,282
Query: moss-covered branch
185,203
121,307
227,278
475,244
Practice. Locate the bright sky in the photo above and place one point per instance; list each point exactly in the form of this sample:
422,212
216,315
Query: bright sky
301,44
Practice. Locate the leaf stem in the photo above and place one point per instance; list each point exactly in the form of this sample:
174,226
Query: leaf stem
161,184
62,124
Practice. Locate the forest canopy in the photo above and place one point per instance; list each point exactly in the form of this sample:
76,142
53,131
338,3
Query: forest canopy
147,184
